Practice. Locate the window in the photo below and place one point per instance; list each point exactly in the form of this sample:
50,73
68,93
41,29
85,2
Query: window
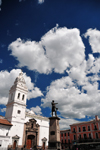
79,129
62,141
18,111
89,135
88,128
84,129
95,127
74,137
79,136
96,135
65,140
65,134
18,95
85,136
23,97
61,134
68,133
74,130
68,141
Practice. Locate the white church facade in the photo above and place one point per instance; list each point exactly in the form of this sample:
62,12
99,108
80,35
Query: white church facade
20,128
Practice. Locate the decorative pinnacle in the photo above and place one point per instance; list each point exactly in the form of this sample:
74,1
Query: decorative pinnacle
21,73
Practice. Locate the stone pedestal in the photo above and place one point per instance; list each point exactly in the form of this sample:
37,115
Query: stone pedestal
54,134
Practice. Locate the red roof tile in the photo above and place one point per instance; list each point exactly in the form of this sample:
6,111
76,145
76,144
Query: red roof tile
5,122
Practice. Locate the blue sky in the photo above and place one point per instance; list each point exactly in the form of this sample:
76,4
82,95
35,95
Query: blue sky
57,45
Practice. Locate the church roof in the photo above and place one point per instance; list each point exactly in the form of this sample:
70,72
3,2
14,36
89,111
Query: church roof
5,122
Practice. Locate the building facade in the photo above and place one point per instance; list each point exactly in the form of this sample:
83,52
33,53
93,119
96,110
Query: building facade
5,127
65,138
85,134
21,126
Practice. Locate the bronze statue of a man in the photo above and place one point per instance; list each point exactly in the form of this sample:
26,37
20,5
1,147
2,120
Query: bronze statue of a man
54,109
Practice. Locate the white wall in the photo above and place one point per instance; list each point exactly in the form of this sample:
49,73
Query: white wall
4,138
44,129
16,129
4,141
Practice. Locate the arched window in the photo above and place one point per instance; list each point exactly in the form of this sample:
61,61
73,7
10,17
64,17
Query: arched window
23,97
18,111
18,95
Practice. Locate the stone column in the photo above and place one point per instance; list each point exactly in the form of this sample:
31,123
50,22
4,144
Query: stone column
54,134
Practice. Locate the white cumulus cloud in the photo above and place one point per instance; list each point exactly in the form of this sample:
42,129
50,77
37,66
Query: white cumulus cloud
3,109
78,93
65,123
58,49
36,110
94,39
72,101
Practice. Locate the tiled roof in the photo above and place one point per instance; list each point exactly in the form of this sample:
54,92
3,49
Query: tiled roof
5,122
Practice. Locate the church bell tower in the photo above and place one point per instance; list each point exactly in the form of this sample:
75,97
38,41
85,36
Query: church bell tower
16,105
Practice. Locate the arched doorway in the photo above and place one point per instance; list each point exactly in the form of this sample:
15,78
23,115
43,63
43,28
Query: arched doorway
14,144
30,141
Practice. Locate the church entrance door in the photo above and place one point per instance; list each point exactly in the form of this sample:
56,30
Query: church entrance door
14,145
31,141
